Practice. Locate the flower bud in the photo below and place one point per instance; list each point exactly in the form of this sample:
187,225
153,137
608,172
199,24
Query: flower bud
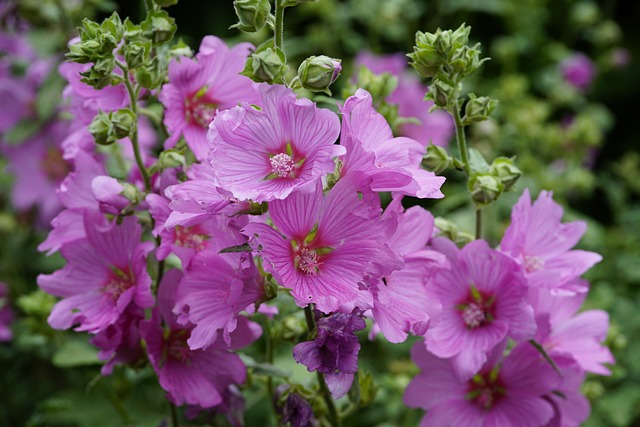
484,188
171,159
123,121
504,169
252,14
159,27
150,76
436,160
317,73
136,54
102,129
266,64
426,58
478,109
109,194
441,93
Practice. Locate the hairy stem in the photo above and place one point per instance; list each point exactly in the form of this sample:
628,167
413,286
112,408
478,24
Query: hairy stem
175,421
460,138
134,134
279,30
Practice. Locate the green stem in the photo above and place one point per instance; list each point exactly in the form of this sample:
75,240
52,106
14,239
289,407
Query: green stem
279,32
334,418
134,134
148,4
268,343
478,223
460,138
175,421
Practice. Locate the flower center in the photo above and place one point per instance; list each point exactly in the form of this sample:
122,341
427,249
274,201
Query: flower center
485,390
119,281
54,166
200,110
176,346
189,237
532,263
473,315
308,261
282,165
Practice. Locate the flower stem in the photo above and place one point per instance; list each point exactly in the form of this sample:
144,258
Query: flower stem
460,138
334,418
478,223
279,31
133,97
268,344
175,421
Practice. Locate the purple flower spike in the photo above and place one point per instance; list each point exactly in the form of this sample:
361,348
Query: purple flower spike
334,352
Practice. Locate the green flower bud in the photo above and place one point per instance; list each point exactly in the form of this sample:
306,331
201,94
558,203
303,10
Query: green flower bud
317,73
504,169
436,160
102,129
131,192
99,76
466,60
478,109
132,31
266,64
426,58
113,26
484,188
441,93
252,14
123,122
82,52
150,76
159,27
136,54
171,159
88,30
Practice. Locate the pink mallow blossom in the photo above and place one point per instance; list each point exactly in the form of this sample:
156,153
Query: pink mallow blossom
323,245
503,392
565,333
542,244
198,87
105,272
578,70
393,164
194,377
263,154
483,296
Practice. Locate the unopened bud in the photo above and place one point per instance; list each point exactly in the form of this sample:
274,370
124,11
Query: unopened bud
484,188
252,14
159,27
266,64
504,169
171,159
317,73
478,109
102,129
136,54
123,121
150,76
437,160
440,93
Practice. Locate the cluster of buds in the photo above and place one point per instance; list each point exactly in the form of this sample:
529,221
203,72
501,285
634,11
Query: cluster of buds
487,184
107,128
97,42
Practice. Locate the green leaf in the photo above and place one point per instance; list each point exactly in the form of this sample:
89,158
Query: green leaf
75,353
239,248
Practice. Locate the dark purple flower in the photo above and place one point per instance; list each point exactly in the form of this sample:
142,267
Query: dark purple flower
578,70
297,412
334,352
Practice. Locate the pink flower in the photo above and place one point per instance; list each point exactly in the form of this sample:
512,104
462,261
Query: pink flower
213,292
198,199
323,246
578,70
193,377
542,244
563,332
435,127
393,164
401,302
483,297
105,272
198,88
509,392
264,154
